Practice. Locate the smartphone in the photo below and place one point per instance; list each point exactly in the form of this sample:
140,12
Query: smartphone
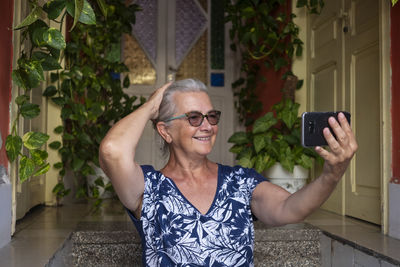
313,124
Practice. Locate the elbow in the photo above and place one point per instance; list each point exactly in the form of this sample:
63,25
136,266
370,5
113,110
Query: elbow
108,151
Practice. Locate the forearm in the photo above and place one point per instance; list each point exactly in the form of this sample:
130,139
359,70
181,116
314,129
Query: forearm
302,203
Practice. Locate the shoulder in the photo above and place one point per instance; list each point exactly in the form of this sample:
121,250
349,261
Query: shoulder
147,169
240,171
241,175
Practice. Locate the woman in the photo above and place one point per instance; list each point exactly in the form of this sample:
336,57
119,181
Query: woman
194,212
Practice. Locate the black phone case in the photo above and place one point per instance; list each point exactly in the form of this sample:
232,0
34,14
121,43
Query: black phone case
312,125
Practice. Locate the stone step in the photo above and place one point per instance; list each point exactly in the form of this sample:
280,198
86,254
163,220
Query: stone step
118,244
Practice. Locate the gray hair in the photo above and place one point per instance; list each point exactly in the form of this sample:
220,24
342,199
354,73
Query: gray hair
168,106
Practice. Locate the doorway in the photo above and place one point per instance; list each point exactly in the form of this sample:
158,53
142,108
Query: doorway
181,39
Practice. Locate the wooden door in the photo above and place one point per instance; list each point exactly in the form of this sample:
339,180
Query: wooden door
173,39
345,75
363,82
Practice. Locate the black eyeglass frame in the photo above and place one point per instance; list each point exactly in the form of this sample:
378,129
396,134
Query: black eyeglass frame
190,113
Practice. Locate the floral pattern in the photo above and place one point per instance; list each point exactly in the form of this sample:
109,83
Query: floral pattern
175,233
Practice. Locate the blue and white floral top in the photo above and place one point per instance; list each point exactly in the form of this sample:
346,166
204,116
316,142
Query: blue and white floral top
175,233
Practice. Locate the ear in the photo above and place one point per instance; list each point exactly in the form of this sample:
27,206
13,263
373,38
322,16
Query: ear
162,130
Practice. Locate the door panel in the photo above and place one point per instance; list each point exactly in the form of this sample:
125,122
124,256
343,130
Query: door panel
363,189
326,75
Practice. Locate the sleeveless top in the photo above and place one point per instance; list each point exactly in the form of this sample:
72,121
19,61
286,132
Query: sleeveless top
175,233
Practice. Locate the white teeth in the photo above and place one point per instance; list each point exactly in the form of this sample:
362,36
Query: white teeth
203,138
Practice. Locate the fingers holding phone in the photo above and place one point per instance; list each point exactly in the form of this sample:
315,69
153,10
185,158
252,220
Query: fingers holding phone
330,129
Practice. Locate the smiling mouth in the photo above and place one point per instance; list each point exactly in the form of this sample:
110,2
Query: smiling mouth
203,138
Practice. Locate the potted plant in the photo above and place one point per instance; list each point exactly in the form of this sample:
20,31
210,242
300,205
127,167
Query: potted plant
274,145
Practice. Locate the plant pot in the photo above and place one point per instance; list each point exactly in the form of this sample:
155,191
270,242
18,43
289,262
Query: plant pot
103,194
292,182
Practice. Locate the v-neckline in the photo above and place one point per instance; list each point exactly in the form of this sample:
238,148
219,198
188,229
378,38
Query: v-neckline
219,179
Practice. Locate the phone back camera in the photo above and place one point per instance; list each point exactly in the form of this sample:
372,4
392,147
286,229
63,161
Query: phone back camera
311,126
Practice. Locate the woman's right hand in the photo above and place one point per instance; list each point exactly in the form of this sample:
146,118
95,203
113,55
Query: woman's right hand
155,100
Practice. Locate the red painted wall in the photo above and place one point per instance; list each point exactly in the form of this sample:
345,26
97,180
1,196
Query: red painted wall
6,18
395,62
269,92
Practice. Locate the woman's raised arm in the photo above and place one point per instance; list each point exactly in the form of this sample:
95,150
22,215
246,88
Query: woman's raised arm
118,149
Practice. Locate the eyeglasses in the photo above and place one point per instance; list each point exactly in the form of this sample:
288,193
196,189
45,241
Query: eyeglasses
196,118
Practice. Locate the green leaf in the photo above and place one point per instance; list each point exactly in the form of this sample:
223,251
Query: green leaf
13,147
58,187
31,18
50,91
22,99
289,114
26,168
81,192
59,129
248,12
84,138
34,140
38,156
279,63
114,54
261,162
264,123
99,181
259,142
55,145
60,101
87,15
239,138
42,170
54,38
29,110
246,162
54,8
48,62
103,7
30,73
77,163
77,12
394,2
38,36
236,149
126,82
299,84
305,161
58,165
18,79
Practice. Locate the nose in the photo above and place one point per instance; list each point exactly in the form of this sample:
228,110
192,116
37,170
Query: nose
205,125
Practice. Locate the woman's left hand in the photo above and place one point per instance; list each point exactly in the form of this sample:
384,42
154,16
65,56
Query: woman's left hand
341,149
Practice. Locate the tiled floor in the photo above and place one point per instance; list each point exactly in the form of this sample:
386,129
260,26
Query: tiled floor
43,231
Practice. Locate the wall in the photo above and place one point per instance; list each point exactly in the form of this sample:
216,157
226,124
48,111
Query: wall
6,17
394,185
6,12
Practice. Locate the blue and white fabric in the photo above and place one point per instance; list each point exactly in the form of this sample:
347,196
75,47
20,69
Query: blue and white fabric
175,233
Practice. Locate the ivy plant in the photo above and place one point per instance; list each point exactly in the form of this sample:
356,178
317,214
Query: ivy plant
88,89
265,35
43,54
90,93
